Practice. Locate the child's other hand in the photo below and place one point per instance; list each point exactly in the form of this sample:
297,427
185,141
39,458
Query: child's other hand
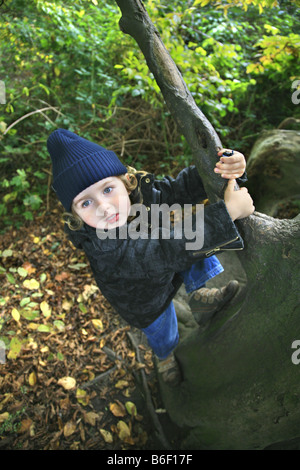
239,203
231,167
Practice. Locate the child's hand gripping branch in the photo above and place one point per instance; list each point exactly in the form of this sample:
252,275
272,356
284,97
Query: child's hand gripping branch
230,167
238,202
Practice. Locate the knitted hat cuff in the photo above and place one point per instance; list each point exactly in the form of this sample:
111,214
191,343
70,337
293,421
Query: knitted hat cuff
78,163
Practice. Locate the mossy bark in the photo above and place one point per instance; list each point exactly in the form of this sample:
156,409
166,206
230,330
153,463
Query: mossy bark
240,387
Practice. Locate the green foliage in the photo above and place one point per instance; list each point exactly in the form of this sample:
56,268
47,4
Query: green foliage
67,64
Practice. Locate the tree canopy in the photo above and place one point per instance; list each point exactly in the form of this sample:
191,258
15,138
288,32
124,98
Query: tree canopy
68,64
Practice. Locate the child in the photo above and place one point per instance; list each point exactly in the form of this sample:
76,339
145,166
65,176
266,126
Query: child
140,275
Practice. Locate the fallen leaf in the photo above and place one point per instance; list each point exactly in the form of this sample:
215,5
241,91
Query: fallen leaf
91,418
123,430
25,425
15,348
62,276
44,328
67,305
45,308
121,384
68,383
82,397
69,428
31,284
107,436
131,408
15,314
98,324
29,268
7,253
32,379
117,409
4,417
33,326
22,272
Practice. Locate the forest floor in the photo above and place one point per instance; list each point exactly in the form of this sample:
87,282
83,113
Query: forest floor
73,375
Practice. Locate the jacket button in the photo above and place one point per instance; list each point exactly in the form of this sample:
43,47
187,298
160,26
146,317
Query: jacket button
147,180
148,208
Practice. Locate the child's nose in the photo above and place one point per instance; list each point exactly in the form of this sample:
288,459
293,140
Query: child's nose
102,208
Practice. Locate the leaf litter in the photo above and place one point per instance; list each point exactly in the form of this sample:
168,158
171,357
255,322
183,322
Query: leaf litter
69,376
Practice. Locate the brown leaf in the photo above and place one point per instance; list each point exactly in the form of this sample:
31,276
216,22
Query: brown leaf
69,428
62,276
107,436
91,418
117,409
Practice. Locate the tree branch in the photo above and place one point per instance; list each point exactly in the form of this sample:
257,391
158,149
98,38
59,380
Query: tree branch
194,125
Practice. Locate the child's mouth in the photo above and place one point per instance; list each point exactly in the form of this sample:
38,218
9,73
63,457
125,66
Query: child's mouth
112,219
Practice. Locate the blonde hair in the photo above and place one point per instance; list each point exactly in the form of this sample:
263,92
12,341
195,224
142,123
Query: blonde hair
74,222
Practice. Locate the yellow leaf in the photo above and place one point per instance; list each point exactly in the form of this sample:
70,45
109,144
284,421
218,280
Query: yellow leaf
107,436
67,382
117,409
15,314
69,428
82,397
66,305
15,348
33,326
32,379
31,284
121,384
98,324
45,308
123,430
4,417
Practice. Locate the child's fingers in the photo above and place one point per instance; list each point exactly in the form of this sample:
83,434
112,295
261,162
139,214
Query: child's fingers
231,184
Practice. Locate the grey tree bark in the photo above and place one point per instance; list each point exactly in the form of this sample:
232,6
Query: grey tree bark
240,387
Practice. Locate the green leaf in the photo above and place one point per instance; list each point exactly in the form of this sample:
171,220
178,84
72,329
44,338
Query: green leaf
6,253
59,325
44,328
15,348
11,278
22,272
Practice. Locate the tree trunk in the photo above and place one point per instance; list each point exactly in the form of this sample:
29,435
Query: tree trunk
240,387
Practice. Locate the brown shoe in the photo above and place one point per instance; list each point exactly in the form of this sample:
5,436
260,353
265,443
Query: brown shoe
204,302
169,370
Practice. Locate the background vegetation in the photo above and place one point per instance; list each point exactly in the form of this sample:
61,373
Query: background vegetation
66,64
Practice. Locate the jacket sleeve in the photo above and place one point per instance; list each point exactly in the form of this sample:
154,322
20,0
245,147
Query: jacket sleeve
186,188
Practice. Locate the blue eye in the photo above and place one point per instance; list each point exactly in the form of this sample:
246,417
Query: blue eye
107,190
86,203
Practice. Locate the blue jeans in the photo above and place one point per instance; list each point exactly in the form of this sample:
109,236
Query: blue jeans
162,334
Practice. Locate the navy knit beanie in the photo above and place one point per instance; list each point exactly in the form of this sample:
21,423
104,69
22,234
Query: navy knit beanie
78,163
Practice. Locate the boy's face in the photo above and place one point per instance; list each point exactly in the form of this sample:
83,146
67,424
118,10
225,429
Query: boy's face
103,205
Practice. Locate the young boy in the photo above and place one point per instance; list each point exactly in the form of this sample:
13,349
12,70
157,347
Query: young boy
139,268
